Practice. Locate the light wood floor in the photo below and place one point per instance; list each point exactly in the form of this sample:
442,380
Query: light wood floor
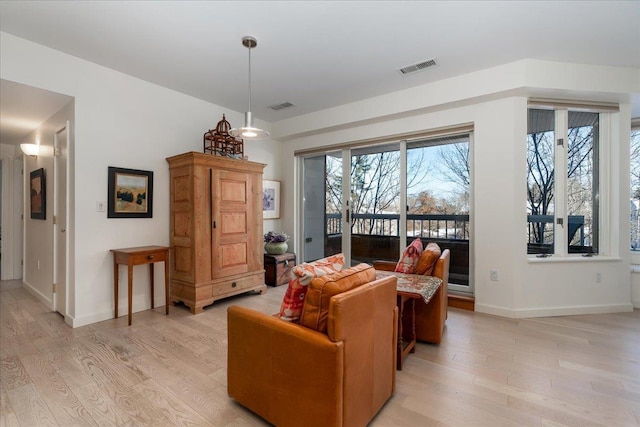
170,371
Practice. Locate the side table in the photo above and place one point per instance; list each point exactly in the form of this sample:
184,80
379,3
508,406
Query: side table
278,267
409,287
137,256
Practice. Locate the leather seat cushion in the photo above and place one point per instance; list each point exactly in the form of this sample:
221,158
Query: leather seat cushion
316,305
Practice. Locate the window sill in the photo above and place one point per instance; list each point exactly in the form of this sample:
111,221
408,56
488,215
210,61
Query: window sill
558,259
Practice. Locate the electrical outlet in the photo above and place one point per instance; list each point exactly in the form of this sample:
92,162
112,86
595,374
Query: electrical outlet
99,206
493,275
38,265
598,277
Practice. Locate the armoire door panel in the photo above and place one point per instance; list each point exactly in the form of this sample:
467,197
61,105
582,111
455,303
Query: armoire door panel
233,223
234,254
233,190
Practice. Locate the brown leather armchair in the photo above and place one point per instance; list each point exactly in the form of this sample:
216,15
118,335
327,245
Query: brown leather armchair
292,375
430,318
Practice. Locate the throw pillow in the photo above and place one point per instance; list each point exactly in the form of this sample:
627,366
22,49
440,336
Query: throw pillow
316,307
428,259
409,258
300,278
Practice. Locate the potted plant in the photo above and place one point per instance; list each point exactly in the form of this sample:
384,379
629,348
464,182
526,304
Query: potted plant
275,243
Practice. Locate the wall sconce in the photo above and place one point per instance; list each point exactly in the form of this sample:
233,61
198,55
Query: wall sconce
30,149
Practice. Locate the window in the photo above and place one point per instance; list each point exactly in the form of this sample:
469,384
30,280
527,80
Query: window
563,182
635,188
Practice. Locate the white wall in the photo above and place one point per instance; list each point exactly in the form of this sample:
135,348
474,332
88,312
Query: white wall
125,122
11,210
635,287
495,103
38,234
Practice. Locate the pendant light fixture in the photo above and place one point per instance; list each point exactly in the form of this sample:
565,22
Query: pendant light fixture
248,131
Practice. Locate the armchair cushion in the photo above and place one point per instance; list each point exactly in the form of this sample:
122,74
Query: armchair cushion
428,259
316,305
301,276
410,257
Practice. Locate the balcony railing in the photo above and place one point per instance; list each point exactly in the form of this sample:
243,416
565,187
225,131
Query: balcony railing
454,227
377,237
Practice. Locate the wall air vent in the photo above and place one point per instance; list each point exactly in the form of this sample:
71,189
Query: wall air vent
280,106
418,67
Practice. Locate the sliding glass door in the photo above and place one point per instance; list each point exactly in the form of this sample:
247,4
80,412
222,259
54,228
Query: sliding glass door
322,205
374,203
370,202
438,200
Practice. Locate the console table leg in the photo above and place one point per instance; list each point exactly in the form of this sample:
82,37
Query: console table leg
166,284
115,287
130,283
151,284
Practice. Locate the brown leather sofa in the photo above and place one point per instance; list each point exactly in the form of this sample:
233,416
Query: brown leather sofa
430,318
293,375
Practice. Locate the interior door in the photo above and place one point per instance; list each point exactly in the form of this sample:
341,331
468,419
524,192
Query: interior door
60,236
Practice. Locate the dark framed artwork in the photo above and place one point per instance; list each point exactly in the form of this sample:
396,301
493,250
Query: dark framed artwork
38,192
130,193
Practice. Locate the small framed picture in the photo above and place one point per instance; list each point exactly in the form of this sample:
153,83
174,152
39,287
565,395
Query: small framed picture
270,199
130,193
38,194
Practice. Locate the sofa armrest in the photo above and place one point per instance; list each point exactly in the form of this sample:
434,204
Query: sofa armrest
384,265
269,362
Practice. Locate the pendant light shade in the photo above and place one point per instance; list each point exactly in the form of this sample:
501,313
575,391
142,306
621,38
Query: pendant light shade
248,131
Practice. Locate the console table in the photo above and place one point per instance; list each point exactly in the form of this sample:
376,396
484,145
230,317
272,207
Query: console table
138,256
409,288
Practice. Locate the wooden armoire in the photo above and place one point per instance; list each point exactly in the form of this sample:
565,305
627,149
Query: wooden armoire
216,228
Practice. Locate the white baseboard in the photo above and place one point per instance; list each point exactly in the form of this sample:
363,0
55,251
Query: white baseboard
555,311
39,295
108,315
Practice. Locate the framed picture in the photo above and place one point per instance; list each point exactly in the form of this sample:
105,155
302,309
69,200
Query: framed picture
270,199
130,193
38,191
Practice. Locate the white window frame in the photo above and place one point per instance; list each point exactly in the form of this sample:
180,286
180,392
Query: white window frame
561,249
635,126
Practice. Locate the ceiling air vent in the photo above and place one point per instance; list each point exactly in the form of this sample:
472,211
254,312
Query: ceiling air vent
280,106
418,67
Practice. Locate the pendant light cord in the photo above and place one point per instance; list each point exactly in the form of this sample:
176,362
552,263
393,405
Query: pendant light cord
249,76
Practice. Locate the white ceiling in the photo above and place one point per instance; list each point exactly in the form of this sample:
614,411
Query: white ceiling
23,108
319,54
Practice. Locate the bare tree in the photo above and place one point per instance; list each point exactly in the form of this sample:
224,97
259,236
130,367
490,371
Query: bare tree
635,164
375,184
635,189
541,177
456,167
